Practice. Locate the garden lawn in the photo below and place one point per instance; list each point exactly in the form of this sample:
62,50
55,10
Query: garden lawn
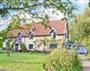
22,61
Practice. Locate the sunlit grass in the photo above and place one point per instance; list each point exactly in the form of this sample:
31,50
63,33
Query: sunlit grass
22,61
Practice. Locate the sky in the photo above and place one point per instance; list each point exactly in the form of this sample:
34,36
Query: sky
82,4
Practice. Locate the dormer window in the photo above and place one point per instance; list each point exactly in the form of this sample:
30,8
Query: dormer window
19,36
31,34
53,33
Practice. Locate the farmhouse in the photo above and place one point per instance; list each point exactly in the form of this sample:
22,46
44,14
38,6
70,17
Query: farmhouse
39,35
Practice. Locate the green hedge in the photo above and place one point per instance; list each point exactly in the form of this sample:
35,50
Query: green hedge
23,47
62,60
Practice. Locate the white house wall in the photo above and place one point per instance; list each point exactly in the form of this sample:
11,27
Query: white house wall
31,41
28,41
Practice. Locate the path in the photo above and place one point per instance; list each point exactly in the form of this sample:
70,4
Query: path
85,63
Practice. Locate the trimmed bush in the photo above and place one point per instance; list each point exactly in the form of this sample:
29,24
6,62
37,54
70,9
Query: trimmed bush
23,47
62,60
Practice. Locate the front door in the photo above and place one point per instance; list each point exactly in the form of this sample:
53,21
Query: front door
16,47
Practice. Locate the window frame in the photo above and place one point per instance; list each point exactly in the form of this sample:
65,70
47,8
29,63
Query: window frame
30,34
53,33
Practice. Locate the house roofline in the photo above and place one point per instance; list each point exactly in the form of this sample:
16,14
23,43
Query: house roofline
37,36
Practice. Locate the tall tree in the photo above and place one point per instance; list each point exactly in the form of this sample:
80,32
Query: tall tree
80,27
12,25
89,3
32,5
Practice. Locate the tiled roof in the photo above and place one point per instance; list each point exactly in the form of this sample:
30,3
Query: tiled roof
39,29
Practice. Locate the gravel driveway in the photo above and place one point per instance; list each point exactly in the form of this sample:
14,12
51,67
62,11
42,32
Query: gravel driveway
85,63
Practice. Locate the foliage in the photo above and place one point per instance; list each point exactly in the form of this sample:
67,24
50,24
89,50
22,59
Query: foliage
80,27
62,60
32,5
12,25
86,42
23,47
29,6
45,42
89,3
5,33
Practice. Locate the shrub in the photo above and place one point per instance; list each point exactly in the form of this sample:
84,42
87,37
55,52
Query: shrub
86,42
62,60
23,47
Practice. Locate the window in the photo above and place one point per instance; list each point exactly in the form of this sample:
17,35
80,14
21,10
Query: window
53,33
31,35
19,36
53,46
30,46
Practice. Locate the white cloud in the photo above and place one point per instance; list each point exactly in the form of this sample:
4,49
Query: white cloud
4,24
82,2
53,14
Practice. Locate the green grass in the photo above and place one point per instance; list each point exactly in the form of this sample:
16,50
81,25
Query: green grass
22,61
